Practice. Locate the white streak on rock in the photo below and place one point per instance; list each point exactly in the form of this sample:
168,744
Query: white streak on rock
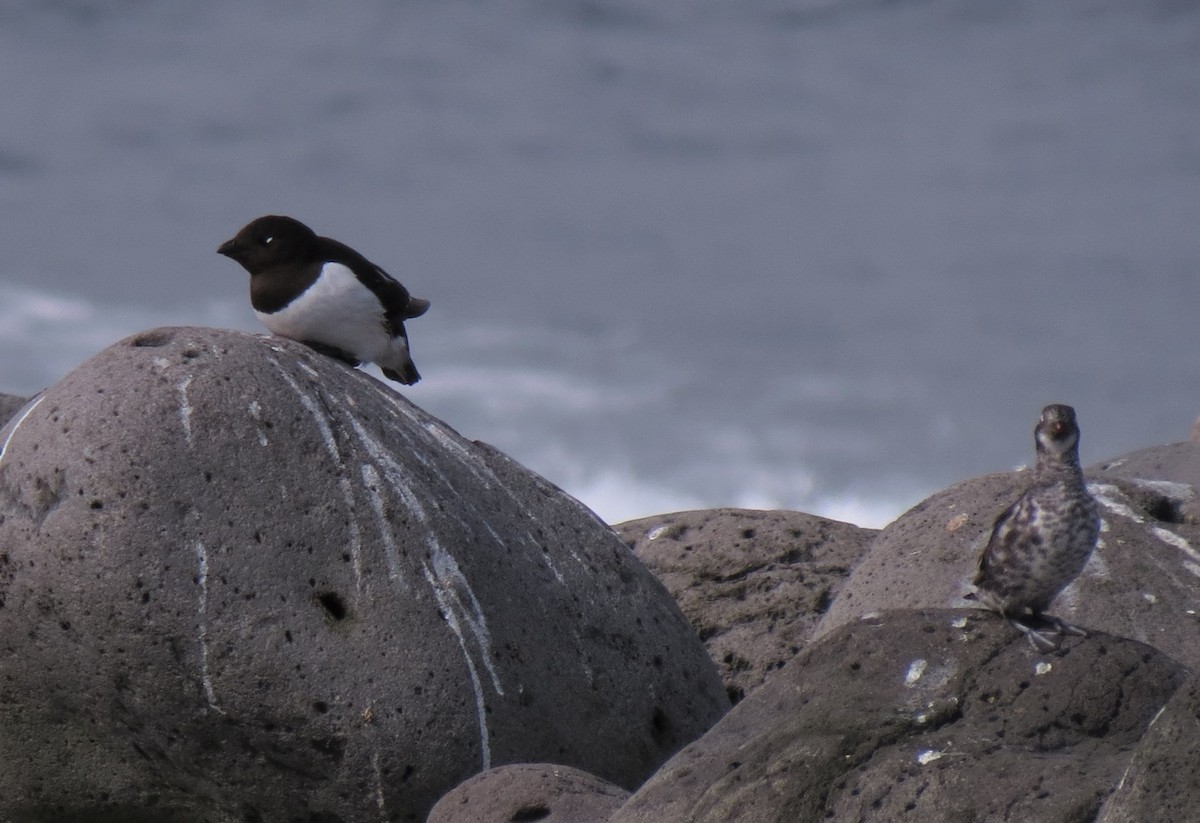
185,409
1167,488
256,413
380,801
1111,498
1194,568
311,371
451,442
450,586
355,533
1170,538
454,583
317,414
480,706
17,425
322,423
1042,668
1095,566
915,670
375,489
202,627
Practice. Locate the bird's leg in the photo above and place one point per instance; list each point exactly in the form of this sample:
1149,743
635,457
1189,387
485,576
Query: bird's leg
332,351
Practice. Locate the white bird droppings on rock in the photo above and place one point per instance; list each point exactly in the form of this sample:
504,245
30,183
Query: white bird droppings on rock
927,756
915,670
256,415
185,409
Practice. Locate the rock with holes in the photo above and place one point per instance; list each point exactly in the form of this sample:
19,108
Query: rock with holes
528,792
922,715
753,583
243,582
1143,580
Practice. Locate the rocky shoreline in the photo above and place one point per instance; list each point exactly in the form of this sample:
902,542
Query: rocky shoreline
242,582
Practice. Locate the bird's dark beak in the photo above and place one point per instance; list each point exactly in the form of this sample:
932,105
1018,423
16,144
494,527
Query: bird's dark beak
229,248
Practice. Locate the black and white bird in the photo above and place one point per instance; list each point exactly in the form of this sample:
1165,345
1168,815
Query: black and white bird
326,295
1043,540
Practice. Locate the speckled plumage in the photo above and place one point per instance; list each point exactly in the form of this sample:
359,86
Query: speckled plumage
1043,540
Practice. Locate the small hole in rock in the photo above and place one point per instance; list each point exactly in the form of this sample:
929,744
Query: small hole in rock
1164,510
320,707
528,814
151,339
660,726
333,604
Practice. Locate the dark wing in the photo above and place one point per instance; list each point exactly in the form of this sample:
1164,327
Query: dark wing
398,304
1008,530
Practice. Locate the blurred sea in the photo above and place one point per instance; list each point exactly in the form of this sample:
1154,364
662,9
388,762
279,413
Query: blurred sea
829,255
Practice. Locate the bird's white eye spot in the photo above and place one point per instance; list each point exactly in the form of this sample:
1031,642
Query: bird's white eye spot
268,239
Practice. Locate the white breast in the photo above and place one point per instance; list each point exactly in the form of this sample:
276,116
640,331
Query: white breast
336,310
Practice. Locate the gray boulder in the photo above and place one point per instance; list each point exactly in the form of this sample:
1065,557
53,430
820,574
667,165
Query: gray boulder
752,583
1160,783
10,404
240,581
922,715
531,791
1142,582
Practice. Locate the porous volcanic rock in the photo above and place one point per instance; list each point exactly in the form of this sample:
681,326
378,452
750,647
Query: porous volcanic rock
943,715
1142,582
753,583
541,792
243,582
1160,783
10,404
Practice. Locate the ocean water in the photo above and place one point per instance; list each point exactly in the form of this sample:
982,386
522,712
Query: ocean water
829,255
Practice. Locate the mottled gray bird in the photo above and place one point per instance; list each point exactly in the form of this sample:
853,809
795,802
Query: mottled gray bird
1043,540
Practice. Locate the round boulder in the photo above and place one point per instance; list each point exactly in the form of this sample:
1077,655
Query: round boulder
240,581
1160,783
10,404
937,714
753,583
540,792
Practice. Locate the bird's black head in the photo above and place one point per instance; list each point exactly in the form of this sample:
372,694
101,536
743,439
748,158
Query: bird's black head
1056,431
270,241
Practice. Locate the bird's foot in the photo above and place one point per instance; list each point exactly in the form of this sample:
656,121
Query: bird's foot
1063,627
1048,633
332,351
1040,640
